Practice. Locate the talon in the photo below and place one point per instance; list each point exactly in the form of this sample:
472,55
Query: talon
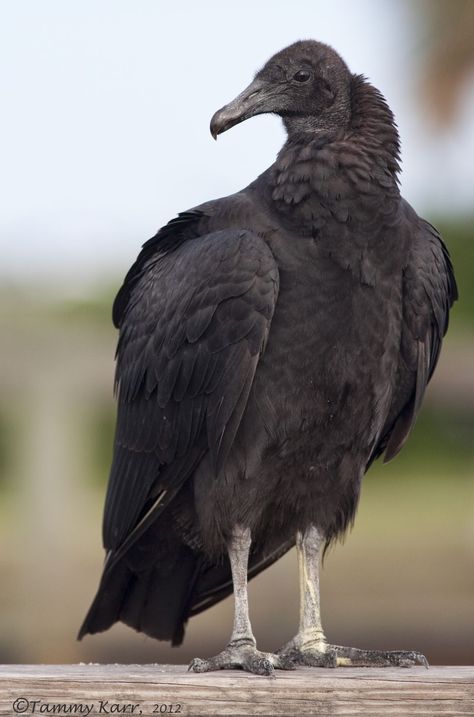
197,665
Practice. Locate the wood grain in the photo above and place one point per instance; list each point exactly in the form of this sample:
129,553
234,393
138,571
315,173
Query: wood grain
143,689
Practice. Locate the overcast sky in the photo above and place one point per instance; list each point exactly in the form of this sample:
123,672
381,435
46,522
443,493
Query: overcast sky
104,126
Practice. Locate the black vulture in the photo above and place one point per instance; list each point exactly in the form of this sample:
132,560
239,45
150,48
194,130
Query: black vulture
272,345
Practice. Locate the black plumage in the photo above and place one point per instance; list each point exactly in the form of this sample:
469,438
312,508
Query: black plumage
273,343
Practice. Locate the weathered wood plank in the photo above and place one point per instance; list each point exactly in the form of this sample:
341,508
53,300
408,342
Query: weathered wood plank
170,689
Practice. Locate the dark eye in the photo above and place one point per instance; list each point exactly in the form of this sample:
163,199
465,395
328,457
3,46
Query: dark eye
302,75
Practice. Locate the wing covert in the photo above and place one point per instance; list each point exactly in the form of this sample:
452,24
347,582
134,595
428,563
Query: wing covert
192,327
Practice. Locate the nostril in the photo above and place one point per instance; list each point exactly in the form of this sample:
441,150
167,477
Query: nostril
252,94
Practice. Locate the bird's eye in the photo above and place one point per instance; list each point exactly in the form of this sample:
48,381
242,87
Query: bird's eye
302,75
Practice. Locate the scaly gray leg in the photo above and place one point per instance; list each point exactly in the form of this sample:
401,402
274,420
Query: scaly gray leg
241,652
309,646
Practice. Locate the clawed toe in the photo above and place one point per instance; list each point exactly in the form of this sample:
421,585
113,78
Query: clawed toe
354,657
198,665
408,659
336,656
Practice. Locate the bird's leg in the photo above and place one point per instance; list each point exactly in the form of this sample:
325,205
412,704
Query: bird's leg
309,646
241,652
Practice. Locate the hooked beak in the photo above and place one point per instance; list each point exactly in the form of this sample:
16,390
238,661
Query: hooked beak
249,103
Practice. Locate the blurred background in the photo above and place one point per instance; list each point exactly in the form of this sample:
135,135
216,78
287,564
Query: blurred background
103,138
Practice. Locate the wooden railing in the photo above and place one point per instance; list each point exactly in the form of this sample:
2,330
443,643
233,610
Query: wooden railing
169,689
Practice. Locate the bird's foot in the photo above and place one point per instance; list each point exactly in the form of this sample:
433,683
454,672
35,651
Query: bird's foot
315,653
337,656
242,654
354,657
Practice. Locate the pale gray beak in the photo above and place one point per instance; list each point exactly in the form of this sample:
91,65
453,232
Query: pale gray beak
249,103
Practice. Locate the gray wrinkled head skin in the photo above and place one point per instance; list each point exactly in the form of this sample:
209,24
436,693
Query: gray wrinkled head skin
307,84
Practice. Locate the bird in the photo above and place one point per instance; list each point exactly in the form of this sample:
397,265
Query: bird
272,345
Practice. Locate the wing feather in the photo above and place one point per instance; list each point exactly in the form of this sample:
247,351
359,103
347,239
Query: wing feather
429,291
193,323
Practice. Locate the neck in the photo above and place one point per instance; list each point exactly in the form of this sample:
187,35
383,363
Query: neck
357,161
323,128
373,125
365,121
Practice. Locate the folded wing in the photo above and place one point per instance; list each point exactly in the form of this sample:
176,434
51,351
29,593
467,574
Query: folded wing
194,316
429,290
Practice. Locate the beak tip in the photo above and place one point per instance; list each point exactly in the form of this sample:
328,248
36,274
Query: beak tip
215,125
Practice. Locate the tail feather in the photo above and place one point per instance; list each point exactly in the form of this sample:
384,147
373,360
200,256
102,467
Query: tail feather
151,601
161,582
105,608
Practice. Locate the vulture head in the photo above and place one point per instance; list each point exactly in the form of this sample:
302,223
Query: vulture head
307,84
